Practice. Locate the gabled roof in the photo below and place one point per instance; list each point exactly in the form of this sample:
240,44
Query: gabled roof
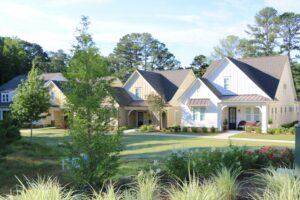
13,83
265,72
166,82
211,87
121,96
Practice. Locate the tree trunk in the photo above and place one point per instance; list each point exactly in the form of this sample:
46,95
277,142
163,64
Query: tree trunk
31,132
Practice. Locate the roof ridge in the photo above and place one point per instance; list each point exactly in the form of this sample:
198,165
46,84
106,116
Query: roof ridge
258,57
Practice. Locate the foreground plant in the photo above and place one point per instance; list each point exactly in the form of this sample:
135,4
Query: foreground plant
277,185
110,194
41,189
227,184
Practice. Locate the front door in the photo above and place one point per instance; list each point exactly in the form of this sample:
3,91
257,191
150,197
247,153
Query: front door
140,119
232,117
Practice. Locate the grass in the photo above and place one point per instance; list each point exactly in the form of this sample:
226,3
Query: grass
43,157
265,136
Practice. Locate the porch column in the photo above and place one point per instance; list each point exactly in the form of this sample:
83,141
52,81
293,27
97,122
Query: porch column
264,121
220,114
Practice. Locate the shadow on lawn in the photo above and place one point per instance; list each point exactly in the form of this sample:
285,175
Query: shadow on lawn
48,140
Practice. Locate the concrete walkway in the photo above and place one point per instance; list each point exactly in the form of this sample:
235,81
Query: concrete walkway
222,136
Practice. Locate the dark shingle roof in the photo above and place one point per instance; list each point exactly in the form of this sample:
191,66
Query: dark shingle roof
211,87
13,83
121,96
264,71
165,83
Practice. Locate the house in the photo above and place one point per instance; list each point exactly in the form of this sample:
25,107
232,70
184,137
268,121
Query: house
57,98
170,85
257,90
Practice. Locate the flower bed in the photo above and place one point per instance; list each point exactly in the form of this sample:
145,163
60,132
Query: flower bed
207,162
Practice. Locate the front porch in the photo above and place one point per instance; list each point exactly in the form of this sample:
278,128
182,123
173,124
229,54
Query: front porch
237,114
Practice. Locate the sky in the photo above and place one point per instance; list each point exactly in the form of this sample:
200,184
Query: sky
187,27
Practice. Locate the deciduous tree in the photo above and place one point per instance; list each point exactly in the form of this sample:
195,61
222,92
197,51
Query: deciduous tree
91,110
32,100
156,105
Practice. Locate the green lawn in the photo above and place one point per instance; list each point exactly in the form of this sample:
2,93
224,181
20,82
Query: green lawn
265,136
44,156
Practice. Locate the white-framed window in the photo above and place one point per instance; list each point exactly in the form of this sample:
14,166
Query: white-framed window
256,114
248,114
226,83
198,113
138,92
52,96
5,97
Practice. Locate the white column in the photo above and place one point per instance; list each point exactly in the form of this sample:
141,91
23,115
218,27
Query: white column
220,111
264,121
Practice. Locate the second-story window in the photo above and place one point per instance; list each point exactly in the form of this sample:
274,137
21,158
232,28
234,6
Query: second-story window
52,96
4,97
226,83
138,92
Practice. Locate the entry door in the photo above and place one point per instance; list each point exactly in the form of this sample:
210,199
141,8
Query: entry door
232,117
140,119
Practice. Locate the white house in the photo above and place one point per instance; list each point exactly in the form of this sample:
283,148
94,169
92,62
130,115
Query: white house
252,90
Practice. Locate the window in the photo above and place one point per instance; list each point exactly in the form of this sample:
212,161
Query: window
138,92
4,97
256,114
198,113
248,114
52,95
226,83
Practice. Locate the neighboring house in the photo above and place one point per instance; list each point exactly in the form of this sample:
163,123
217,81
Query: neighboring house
252,90
170,85
53,81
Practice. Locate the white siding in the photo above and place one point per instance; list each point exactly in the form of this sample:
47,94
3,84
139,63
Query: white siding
239,82
137,81
199,90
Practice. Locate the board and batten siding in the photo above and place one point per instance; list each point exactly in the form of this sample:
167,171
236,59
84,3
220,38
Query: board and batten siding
138,81
239,82
199,90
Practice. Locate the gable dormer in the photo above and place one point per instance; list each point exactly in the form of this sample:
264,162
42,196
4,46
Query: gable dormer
138,87
230,79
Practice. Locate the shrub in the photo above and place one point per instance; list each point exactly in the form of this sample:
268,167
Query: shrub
271,131
123,128
292,130
143,128
194,129
177,128
185,129
150,127
212,129
289,125
248,129
208,162
258,130
204,130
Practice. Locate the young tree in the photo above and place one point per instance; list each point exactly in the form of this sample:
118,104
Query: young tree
156,105
199,65
227,47
289,32
265,31
31,100
90,111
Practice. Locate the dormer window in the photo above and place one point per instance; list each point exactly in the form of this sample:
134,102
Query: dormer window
226,83
4,97
138,92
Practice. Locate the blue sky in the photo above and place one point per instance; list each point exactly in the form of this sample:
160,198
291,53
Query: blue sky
187,27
